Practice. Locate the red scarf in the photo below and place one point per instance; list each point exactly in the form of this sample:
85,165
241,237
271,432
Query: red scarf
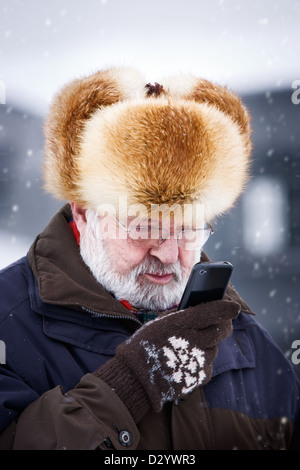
75,230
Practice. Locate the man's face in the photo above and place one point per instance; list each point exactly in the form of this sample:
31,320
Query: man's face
151,276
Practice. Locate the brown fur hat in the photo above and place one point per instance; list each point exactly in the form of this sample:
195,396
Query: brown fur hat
184,142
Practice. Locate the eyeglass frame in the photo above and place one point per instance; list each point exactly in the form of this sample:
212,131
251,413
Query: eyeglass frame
161,240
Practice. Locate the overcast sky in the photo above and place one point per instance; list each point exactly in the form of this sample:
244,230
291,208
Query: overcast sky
247,44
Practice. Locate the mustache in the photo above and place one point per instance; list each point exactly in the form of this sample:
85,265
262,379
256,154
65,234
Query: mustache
152,265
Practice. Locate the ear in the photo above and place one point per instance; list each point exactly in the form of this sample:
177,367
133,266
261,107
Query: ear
79,215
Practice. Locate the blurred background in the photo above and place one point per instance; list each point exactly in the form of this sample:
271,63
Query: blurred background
252,46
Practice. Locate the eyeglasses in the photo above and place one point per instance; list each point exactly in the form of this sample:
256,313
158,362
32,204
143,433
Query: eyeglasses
187,239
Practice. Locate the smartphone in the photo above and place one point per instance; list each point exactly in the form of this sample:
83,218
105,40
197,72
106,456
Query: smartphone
207,281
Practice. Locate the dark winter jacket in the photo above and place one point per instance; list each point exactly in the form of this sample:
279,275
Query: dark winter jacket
59,325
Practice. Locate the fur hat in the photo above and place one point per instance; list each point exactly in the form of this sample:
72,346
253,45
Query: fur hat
184,142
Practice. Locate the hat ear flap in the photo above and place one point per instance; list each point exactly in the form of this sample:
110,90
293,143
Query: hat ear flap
188,87
70,110
224,100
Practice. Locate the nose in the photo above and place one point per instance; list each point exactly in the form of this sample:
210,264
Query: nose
166,252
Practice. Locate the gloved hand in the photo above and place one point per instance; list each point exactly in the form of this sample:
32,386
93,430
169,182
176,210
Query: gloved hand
168,357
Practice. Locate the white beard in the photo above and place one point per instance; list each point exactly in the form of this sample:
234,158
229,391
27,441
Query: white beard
137,290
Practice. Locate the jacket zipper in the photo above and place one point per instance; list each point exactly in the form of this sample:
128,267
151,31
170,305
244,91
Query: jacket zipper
105,315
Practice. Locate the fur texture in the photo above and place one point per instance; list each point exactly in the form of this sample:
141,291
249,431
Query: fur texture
106,139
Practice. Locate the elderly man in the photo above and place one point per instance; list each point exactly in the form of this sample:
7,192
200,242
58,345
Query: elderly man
98,355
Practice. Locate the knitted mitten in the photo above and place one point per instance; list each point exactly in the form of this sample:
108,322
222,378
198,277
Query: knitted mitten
168,357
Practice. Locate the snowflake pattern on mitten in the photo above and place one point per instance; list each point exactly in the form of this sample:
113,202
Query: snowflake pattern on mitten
185,366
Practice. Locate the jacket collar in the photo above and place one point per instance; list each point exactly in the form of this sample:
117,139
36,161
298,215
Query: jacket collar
62,277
